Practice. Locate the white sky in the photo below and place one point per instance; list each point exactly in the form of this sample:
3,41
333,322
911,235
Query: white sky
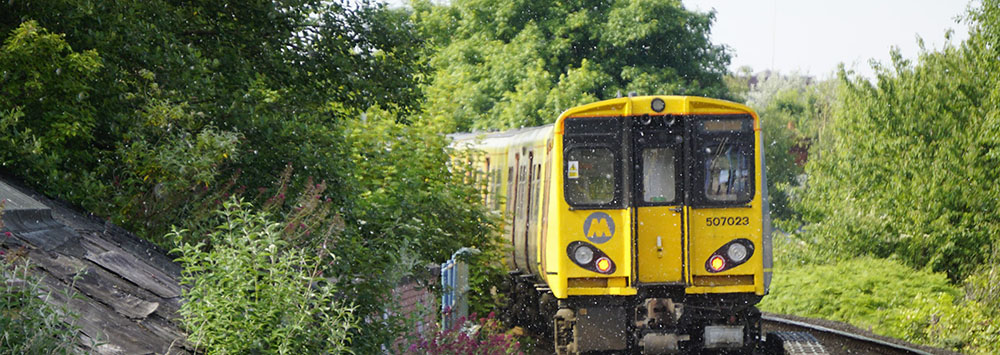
813,36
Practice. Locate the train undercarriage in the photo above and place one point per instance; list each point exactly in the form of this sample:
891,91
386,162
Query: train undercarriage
660,319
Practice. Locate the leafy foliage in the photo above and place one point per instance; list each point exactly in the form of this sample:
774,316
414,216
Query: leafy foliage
913,161
505,64
162,84
888,298
856,290
411,208
794,113
983,286
250,293
46,119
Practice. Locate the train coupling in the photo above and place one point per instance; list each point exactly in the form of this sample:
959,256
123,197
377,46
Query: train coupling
661,330
657,317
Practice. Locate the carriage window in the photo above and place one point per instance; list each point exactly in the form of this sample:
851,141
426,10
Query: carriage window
658,182
590,176
727,169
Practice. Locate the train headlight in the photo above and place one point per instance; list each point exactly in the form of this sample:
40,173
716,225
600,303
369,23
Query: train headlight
583,255
658,105
737,252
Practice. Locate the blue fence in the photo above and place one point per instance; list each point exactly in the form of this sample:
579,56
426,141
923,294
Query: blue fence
454,287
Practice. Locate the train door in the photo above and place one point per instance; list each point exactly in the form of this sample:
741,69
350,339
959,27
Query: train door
658,199
530,221
513,175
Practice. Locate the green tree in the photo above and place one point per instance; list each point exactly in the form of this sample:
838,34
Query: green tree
47,121
794,111
504,64
260,71
912,167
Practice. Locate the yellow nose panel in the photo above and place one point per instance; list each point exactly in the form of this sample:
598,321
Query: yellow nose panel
659,248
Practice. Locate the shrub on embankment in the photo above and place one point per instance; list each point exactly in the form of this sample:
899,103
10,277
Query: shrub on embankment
887,298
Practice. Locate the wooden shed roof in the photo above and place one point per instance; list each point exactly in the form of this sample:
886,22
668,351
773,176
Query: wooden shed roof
128,292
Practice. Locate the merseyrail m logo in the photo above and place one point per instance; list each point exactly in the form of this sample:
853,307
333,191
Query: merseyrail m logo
599,227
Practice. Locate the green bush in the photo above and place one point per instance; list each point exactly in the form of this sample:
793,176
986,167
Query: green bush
46,118
251,293
940,320
984,284
888,298
409,207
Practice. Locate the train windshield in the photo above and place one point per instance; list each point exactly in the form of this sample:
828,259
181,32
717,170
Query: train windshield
727,172
590,176
701,161
724,154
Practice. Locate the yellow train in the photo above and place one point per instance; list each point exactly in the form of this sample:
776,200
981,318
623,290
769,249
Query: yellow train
637,223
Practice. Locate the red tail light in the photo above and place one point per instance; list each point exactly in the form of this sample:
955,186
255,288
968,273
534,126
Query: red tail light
717,263
604,265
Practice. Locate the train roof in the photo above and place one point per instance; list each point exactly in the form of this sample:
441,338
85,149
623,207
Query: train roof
487,140
623,106
642,105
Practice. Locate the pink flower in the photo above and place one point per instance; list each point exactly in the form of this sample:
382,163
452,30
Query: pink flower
7,234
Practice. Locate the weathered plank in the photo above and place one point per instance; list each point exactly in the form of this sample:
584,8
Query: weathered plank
134,270
107,326
164,329
102,286
32,221
168,306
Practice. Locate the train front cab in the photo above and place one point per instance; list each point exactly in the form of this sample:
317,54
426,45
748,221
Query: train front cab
659,231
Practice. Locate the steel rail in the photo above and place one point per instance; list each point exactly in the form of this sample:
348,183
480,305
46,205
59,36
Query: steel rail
843,334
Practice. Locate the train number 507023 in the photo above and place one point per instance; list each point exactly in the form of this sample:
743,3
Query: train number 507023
727,221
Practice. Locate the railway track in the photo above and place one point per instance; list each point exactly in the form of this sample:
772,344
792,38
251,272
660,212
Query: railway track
796,335
800,336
